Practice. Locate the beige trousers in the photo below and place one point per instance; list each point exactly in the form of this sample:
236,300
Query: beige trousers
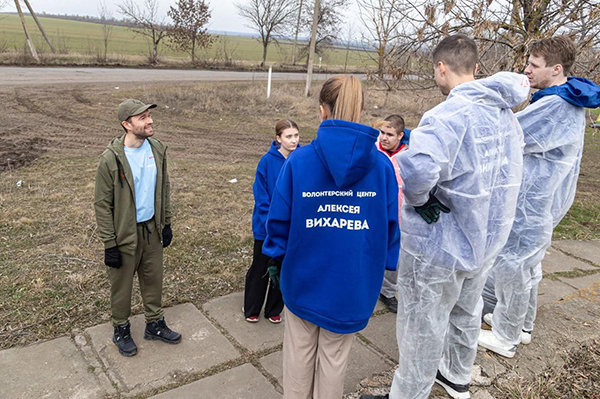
314,360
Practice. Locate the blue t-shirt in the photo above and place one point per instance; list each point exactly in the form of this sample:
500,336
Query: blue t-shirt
143,167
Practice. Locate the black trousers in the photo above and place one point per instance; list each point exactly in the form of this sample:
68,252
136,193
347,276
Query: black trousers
257,286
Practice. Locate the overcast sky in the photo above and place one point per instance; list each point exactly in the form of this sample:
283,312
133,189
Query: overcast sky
224,15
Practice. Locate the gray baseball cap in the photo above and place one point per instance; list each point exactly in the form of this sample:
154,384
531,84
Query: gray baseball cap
132,107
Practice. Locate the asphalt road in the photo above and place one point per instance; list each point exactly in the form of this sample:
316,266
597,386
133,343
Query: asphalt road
19,76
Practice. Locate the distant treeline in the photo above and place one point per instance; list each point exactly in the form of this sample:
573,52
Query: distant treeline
80,18
354,45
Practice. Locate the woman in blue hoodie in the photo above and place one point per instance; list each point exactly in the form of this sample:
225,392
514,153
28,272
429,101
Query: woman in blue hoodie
286,141
333,230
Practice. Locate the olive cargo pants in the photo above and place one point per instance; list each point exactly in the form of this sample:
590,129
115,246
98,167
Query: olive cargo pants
148,263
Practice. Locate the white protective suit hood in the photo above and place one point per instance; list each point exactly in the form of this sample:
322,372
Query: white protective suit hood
477,177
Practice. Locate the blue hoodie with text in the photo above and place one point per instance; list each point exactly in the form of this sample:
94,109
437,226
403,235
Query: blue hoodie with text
334,221
267,171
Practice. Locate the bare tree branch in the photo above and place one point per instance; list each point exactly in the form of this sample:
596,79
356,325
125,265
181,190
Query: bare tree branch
268,18
144,20
107,27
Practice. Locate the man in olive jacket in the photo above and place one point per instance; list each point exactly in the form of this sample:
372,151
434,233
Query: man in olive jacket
133,212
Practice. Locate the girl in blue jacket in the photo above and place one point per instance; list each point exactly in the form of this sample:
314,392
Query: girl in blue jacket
257,279
333,223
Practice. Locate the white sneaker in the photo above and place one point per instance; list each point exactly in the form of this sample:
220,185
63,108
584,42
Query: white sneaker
526,337
487,319
488,340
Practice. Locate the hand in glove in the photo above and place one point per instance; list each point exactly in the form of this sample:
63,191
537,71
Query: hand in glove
167,235
112,257
430,211
274,270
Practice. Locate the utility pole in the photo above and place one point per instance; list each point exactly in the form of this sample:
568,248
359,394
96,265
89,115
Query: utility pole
297,29
31,46
313,42
38,24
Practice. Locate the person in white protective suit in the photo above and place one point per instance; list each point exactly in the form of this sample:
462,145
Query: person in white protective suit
465,159
554,130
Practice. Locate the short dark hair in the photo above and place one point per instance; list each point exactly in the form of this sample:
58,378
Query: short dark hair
459,52
397,122
126,120
555,50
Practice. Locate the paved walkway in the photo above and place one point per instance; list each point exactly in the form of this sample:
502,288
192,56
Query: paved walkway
223,355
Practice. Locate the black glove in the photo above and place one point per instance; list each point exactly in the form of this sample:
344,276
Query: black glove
112,257
167,234
274,270
430,211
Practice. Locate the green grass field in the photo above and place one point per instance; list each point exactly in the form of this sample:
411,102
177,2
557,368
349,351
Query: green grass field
87,38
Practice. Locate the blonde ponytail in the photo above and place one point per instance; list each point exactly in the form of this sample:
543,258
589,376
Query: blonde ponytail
343,96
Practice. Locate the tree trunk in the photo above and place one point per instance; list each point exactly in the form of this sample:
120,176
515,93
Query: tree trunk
194,50
381,60
347,54
264,57
296,37
313,43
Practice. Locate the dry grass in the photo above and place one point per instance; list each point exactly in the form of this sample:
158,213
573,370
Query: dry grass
579,378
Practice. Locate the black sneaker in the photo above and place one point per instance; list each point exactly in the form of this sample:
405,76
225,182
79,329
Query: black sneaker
365,396
158,330
455,390
391,303
122,338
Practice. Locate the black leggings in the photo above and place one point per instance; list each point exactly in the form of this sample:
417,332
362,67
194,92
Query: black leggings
257,280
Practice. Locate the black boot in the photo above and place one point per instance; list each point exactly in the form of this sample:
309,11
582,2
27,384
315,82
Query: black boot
365,396
122,338
391,303
158,330
454,390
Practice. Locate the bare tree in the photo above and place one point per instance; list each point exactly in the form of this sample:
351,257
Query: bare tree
107,27
268,18
381,20
144,20
329,23
189,30
503,29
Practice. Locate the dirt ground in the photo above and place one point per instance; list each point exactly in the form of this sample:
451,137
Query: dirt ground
51,259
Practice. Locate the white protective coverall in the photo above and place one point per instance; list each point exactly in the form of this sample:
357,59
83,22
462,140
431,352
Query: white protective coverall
554,132
489,296
468,152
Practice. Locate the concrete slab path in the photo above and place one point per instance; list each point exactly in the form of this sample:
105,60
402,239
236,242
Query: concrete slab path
53,369
241,382
158,364
225,356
